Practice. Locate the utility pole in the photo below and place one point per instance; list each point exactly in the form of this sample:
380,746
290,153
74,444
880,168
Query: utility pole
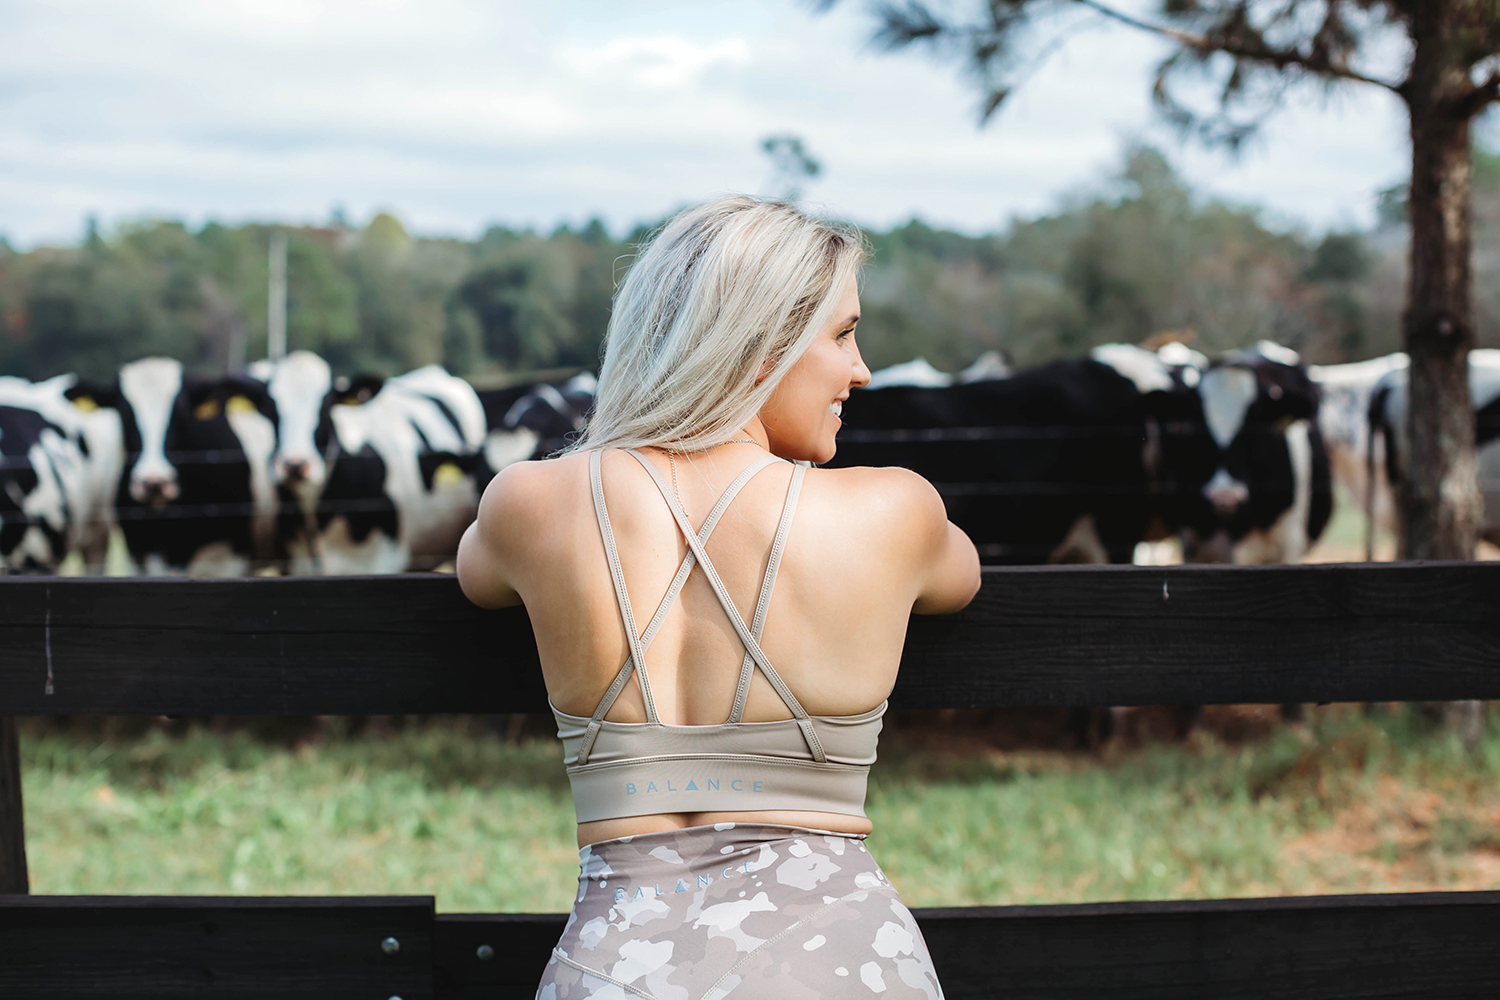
276,299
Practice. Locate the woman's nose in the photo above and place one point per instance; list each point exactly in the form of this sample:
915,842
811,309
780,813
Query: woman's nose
860,374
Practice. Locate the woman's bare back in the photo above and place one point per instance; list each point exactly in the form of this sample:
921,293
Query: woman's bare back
864,547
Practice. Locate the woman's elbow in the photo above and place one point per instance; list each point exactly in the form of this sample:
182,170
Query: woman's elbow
479,575
958,583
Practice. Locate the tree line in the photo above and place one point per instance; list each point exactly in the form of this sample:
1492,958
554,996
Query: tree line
1140,256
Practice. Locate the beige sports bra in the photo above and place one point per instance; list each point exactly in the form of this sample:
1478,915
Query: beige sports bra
617,769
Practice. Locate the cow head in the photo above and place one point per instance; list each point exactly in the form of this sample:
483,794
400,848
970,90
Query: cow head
1260,409
163,418
303,392
300,386
148,394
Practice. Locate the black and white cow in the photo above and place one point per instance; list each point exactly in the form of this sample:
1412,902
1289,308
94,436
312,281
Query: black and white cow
1049,465
1388,415
402,488
60,460
1177,453
196,497
1270,494
382,476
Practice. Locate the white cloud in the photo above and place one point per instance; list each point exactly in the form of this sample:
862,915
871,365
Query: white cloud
652,62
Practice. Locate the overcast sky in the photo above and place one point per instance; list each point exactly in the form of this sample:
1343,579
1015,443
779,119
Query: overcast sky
457,114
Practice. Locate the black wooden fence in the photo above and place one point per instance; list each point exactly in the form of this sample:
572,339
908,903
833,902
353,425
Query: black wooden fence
1033,637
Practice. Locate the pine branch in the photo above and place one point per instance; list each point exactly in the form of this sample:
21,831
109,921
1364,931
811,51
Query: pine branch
1319,61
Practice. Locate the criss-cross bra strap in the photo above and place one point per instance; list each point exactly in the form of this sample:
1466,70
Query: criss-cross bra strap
704,531
773,563
631,665
751,646
622,597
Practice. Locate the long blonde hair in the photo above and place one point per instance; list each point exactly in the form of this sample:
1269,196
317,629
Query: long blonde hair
713,314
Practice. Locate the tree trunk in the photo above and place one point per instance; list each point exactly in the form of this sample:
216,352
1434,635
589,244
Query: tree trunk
1440,497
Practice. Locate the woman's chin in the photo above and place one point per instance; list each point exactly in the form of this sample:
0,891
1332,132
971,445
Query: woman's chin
817,455
816,447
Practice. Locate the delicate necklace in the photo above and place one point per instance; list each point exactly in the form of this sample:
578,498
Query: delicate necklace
672,461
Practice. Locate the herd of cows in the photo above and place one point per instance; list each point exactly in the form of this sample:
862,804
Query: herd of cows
280,467
1082,460
285,467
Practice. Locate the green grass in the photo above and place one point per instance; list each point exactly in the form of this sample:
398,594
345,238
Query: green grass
1367,803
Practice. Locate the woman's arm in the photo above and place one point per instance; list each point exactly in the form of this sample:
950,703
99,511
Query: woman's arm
485,555
952,562
943,563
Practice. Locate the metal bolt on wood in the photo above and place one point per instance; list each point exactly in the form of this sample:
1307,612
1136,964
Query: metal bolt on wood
484,953
390,946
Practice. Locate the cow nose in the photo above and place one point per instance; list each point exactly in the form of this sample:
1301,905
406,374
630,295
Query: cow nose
155,490
1226,494
295,470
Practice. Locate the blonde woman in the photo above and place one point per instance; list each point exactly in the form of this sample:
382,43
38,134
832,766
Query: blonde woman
719,627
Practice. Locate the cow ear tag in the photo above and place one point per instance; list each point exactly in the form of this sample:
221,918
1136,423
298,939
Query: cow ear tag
206,410
239,405
85,404
447,475
1284,423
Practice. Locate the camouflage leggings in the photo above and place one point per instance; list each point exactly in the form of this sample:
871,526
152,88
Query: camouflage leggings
737,910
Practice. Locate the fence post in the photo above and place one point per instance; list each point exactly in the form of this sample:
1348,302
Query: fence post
13,876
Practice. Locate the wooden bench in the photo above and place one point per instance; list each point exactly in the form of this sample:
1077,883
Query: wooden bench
1033,637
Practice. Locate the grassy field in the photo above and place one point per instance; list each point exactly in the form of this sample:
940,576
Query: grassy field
1380,802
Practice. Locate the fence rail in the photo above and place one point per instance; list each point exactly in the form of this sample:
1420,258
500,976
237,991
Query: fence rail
1033,637
1298,948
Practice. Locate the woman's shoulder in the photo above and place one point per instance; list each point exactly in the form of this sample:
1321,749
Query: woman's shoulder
882,488
527,495
880,498
521,481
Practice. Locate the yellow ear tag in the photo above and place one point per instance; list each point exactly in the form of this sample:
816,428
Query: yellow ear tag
239,404
206,410
447,475
86,404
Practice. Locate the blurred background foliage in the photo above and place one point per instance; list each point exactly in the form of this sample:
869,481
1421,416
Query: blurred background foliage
1137,256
